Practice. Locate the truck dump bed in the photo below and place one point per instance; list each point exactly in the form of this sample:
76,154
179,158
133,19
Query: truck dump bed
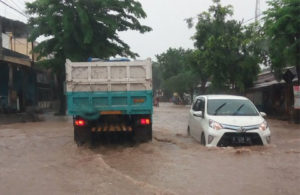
116,87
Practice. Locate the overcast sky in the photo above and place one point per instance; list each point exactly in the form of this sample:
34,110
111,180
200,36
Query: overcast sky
166,17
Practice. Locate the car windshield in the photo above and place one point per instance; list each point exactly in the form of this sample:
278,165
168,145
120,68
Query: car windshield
231,107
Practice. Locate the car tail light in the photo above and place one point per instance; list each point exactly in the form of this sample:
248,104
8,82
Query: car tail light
145,121
80,122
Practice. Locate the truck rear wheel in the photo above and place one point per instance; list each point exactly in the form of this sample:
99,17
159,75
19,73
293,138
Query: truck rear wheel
82,135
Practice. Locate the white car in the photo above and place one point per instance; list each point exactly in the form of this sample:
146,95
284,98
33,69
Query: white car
226,120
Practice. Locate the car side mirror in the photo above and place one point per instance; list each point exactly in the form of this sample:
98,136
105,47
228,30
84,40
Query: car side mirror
263,114
198,114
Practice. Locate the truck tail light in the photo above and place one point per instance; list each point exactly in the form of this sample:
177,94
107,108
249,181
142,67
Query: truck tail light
145,121
80,122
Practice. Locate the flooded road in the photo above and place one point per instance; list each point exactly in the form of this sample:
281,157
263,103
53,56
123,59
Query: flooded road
42,158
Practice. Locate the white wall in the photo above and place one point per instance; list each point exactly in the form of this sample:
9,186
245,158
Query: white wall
5,41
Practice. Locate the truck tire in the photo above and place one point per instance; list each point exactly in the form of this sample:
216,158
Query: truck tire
82,135
143,134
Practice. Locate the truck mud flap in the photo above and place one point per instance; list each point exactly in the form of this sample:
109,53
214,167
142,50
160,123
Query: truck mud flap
142,134
82,135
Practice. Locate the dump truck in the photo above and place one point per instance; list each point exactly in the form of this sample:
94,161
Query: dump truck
110,97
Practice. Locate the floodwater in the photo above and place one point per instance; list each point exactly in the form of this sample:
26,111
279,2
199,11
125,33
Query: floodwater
42,158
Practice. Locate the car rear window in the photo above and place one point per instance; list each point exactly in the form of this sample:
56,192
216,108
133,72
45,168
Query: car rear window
231,107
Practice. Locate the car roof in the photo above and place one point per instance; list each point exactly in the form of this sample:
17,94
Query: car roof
223,97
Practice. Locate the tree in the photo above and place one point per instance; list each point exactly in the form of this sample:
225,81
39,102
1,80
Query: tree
157,77
171,62
252,53
81,29
200,68
282,28
176,71
220,43
184,82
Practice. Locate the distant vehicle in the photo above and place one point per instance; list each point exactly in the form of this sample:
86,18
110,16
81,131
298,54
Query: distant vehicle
226,120
110,97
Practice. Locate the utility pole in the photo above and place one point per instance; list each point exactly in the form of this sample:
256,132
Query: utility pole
257,10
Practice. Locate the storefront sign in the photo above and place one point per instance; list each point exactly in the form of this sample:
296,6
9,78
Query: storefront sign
297,97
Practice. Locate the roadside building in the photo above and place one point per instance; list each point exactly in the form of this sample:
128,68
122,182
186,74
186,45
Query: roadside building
21,84
275,97
17,81
19,45
46,84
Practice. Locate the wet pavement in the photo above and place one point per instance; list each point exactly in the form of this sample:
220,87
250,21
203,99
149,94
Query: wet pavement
42,158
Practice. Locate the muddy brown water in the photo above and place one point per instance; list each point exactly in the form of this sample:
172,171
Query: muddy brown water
41,158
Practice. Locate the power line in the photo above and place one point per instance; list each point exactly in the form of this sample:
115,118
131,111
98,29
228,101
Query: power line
17,5
255,18
12,12
13,8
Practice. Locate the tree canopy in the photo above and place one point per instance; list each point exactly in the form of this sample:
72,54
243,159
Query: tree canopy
282,28
199,68
171,62
176,71
224,49
81,29
157,77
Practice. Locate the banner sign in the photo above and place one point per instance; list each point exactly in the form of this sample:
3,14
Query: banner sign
297,97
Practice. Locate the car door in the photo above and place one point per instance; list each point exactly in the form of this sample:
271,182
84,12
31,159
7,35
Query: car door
198,118
193,117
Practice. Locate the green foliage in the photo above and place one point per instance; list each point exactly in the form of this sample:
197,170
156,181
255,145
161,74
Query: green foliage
226,50
176,72
183,82
199,68
282,28
227,53
171,62
157,76
53,64
80,29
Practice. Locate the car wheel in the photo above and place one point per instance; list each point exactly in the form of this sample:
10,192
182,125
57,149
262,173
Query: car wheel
188,131
203,139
